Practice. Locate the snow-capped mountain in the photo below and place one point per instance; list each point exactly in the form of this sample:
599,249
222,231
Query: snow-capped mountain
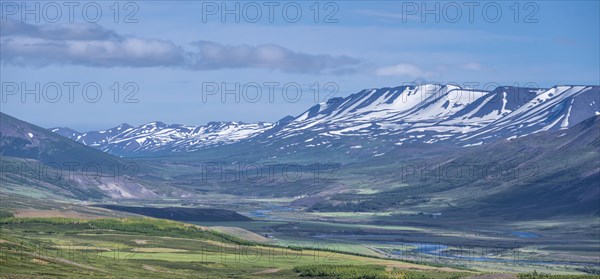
374,119
158,137
434,113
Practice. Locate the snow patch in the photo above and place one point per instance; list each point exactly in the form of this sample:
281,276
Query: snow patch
473,144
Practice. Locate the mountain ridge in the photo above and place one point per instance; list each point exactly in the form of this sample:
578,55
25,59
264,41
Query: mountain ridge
426,113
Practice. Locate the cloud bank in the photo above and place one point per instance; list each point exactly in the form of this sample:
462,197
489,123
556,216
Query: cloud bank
92,45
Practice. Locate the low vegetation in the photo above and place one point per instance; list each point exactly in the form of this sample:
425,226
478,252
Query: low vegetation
347,272
369,272
142,247
141,226
536,275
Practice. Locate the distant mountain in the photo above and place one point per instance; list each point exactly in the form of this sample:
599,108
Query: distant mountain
370,122
95,138
433,113
160,138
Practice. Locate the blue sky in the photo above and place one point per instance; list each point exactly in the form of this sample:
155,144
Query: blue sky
172,54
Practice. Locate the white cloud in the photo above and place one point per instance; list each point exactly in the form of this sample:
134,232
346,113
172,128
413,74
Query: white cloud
403,70
472,66
94,46
211,55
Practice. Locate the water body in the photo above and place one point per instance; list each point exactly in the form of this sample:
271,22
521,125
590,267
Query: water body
437,251
267,213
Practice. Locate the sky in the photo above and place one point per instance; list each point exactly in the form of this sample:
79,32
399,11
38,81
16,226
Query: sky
95,65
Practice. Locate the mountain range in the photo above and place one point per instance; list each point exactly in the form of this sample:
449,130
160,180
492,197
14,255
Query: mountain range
371,121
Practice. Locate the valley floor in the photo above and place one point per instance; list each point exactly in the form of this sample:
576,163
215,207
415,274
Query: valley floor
144,247
281,241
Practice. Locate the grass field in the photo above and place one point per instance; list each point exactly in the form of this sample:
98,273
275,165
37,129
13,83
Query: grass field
143,247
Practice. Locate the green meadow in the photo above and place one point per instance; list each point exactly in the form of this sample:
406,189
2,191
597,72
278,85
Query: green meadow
142,247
